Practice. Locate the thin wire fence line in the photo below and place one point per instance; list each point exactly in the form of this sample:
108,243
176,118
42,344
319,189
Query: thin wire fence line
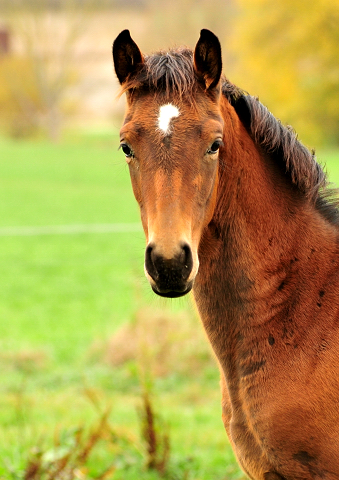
70,229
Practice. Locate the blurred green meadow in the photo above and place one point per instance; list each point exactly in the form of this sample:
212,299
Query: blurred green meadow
81,334
99,378
83,341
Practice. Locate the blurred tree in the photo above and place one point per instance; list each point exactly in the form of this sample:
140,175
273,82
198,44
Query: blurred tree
287,53
34,81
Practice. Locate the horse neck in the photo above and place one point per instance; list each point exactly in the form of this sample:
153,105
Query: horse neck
265,241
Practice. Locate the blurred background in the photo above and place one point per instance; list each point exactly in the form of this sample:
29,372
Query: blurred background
99,379
56,67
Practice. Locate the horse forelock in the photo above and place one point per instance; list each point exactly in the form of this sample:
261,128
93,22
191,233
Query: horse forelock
166,73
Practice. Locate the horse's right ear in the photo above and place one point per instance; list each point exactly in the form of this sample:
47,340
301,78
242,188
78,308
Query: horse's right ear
207,59
127,56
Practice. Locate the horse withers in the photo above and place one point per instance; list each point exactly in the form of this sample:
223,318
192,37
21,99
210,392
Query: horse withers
234,207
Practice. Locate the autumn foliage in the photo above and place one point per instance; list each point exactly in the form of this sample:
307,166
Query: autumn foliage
286,52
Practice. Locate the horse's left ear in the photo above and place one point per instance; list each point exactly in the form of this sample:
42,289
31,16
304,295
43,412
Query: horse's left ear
207,59
127,57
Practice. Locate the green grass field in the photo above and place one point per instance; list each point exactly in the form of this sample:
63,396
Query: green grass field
65,358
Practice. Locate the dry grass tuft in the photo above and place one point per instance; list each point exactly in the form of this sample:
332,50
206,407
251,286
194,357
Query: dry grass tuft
75,451
155,436
69,457
162,343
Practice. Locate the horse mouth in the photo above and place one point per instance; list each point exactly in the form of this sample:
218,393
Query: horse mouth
170,277
172,293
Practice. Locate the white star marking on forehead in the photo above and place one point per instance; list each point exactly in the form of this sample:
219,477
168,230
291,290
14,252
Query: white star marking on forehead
166,113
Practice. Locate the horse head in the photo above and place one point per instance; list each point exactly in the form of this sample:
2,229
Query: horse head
172,137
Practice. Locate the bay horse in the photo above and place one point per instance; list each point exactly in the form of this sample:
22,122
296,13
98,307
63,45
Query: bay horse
234,207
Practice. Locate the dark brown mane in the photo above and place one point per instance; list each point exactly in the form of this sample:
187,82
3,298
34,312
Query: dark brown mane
282,143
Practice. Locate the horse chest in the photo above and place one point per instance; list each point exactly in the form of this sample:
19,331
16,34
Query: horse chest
275,429
272,408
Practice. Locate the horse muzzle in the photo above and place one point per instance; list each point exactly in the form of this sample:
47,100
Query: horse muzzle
169,277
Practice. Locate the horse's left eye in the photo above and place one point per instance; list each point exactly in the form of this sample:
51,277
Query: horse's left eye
214,147
127,150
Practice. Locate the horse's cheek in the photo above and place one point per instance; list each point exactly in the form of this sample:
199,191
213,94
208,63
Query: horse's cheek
135,180
212,198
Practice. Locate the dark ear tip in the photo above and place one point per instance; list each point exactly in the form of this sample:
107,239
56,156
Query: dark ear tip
207,34
123,36
126,56
207,59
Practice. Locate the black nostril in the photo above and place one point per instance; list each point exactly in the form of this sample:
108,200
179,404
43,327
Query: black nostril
149,263
186,259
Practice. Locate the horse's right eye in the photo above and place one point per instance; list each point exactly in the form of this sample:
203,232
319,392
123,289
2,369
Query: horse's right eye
214,147
127,150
